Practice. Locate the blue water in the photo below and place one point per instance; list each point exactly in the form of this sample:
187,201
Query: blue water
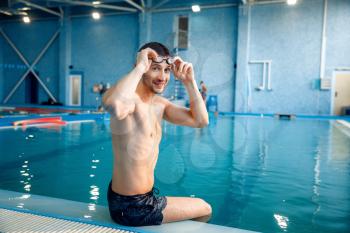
259,174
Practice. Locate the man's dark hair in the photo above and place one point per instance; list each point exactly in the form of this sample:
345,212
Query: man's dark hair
161,49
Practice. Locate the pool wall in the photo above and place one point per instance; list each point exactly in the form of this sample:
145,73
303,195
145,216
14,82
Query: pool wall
79,212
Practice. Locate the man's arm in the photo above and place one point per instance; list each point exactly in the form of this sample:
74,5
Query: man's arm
196,115
119,100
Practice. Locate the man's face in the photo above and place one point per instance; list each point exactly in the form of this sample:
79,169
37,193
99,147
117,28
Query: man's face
157,77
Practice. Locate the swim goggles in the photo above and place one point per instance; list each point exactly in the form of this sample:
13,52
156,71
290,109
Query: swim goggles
168,60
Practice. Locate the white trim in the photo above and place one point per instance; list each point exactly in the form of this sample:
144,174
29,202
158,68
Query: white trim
323,40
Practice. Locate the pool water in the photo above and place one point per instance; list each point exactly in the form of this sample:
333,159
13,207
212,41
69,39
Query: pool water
259,174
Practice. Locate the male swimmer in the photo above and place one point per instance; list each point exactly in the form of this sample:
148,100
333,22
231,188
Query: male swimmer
136,114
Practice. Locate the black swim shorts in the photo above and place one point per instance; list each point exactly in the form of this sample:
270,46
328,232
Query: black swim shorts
136,210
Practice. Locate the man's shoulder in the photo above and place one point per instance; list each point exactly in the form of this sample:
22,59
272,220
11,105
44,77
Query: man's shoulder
161,100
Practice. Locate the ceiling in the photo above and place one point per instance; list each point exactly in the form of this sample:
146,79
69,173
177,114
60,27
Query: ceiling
16,9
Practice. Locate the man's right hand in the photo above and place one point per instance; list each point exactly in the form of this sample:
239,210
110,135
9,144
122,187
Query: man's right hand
144,59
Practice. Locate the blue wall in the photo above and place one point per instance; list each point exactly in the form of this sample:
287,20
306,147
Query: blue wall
30,40
212,48
290,36
338,35
104,50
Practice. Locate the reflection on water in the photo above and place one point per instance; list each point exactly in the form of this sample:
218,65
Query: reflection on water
282,221
26,176
25,181
94,192
94,196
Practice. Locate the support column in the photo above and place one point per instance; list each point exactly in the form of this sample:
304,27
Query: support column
65,57
243,89
1,68
145,24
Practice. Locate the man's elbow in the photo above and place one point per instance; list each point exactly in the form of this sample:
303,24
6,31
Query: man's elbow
120,111
203,123
115,109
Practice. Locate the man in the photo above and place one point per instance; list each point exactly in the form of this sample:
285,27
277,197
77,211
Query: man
203,90
136,114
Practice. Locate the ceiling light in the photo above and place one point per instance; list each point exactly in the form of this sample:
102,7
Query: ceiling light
22,13
96,2
24,9
196,8
6,12
96,15
292,2
26,19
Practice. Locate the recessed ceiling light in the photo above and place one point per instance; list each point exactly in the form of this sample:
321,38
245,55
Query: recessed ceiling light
24,9
292,2
196,8
26,19
22,13
96,15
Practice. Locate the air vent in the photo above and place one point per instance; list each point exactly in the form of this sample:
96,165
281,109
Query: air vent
182,32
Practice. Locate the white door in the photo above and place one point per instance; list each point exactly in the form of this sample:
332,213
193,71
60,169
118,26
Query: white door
341,92
75,90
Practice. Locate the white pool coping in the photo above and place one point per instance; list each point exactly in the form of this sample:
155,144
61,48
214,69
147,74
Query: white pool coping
97,214
345,123
343,126
19,221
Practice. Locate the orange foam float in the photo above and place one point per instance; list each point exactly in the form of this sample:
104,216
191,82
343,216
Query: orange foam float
52,120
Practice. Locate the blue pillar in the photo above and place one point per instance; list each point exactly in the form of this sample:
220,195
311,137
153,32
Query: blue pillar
1,68
242,96
145,25
64,57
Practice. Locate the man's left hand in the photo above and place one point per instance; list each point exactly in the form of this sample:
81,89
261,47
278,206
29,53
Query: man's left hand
183,70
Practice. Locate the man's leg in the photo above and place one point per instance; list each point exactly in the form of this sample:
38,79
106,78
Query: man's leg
183,208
